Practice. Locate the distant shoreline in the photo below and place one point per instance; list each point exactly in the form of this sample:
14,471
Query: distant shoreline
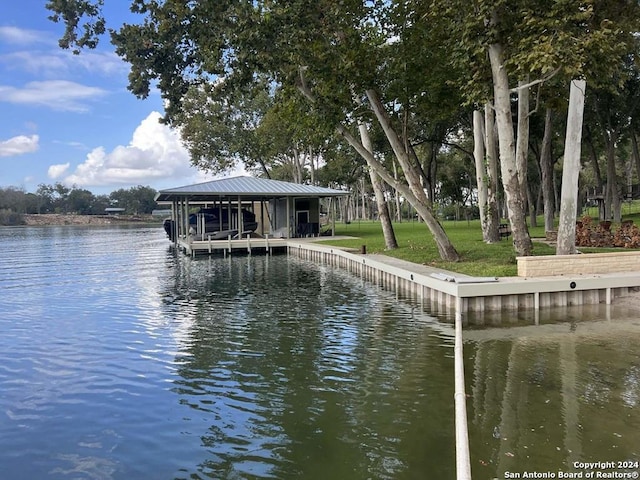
57,219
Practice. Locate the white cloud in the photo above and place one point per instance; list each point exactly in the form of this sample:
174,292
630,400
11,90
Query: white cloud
34,62
55,94
21,36
19,145
155,153
56,171
61,62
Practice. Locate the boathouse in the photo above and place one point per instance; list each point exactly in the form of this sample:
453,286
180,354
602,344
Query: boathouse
227,213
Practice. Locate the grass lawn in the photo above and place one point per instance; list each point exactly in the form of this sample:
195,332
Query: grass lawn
416,245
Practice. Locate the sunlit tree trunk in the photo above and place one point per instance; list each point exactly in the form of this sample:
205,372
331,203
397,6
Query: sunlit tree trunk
481,171
506,141
522,143
571,170
489,229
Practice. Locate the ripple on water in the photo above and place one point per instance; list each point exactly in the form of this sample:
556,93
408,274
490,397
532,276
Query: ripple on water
119,359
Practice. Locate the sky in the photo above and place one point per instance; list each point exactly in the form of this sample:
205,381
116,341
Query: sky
70,118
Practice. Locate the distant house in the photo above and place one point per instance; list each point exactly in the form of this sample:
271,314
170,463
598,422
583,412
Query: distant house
161,212
113,210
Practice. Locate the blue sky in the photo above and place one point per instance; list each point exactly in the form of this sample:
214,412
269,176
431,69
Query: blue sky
70,118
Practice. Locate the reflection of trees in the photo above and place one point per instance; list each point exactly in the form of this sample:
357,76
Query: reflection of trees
551,395
299,371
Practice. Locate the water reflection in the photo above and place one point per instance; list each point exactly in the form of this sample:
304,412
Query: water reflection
120,359
545,396
292,370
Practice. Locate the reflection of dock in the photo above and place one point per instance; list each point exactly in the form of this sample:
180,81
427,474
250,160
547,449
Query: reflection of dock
584,321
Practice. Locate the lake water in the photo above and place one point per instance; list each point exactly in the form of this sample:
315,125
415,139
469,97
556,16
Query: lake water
121,360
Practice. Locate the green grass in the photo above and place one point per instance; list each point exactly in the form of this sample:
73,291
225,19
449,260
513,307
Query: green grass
416,244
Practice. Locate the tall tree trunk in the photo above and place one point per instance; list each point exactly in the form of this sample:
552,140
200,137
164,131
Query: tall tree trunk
481,171
363,200
489,230
383,211
595,163
546,169
312,165
531,202
522,150
423,205
508,166
522,143
571,170
493,210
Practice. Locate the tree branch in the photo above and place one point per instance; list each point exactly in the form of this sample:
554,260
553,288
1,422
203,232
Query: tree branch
536,82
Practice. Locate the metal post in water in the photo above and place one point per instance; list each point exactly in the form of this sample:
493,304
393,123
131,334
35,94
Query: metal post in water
463,462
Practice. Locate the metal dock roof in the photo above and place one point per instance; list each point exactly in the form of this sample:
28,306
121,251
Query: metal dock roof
246,187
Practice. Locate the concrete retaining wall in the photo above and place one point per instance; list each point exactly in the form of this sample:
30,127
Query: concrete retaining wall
586,263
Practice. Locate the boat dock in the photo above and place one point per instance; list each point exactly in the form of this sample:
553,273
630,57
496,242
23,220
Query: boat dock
249,244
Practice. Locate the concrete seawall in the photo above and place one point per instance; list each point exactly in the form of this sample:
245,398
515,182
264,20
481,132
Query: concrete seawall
449,293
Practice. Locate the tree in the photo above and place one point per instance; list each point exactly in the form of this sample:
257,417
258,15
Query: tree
335,51
135,200
80,201
568,204
14,200
535,40
376,182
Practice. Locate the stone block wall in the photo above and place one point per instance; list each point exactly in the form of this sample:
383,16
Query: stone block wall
586,263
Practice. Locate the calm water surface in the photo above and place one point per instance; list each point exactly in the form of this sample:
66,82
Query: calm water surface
121,360
545,398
